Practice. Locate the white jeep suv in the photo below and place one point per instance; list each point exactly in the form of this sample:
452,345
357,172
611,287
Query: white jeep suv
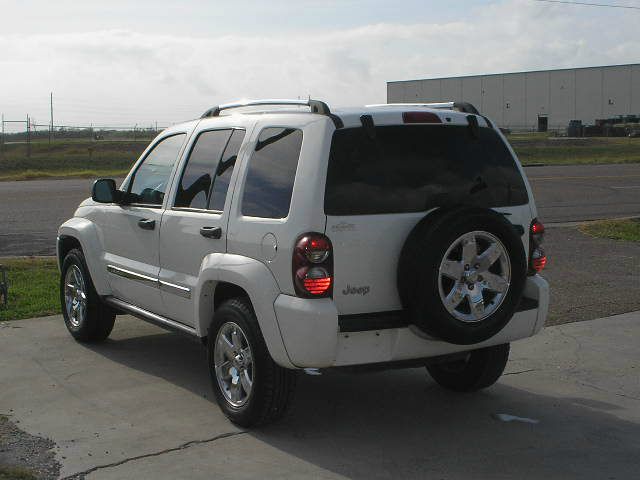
286,236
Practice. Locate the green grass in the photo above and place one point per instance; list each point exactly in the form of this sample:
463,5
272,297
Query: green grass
113,158
16,473
40,174
33,288
69,158
628,230
540,148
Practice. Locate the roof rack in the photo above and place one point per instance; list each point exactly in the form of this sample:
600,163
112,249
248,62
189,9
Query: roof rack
464,107
316,106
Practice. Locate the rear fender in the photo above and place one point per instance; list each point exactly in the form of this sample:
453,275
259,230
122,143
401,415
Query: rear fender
254,278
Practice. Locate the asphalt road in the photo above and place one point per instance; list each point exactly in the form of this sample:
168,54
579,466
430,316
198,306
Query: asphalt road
31,211
140,406
585,192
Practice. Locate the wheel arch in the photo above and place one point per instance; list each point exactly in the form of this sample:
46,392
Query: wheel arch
82,233
224,276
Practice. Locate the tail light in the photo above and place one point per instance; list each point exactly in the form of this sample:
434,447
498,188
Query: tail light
420,117
537,257
313,266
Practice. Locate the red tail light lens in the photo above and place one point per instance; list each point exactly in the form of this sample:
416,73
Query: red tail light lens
420,117
537,257
538,261
313,266
537,228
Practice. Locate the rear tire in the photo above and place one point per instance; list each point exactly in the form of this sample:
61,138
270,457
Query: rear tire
479,369
86,317
251,389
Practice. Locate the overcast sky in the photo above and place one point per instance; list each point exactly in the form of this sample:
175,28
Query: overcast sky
116,62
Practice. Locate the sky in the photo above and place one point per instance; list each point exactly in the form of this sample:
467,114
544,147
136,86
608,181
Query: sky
125,63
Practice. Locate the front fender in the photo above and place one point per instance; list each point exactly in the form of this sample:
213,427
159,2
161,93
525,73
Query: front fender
257,280
85,232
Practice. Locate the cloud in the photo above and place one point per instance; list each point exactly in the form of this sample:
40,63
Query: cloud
127,77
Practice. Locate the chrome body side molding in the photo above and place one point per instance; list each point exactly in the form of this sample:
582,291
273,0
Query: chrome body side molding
166,286
175,289
132,275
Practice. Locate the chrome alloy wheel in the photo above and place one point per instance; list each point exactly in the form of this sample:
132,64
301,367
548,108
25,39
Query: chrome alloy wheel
75,296
233,364
474,276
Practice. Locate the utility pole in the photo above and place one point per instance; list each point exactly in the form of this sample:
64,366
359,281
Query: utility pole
2,140
28,136
51,125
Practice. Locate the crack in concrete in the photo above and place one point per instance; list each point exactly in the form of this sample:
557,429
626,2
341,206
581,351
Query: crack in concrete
83,474
605,390
521,371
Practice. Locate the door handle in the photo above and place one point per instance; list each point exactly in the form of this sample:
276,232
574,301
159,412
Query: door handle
211,232
147,224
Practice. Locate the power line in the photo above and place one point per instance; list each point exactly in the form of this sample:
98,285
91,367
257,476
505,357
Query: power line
567,2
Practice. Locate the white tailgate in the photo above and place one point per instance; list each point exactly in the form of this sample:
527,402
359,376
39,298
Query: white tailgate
366,252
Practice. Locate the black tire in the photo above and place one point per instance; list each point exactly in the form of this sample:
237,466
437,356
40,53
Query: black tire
273,386
418,274
479,369
99,318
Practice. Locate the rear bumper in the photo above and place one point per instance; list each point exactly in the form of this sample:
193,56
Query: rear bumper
315,336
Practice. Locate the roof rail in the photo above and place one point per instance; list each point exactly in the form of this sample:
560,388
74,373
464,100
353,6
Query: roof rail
464,107
316,106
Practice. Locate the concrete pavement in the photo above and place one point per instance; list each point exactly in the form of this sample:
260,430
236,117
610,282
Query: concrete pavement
139,406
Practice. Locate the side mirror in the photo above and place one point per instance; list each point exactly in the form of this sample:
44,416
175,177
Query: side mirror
104,191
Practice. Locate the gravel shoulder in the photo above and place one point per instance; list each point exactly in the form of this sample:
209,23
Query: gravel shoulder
590,277
24,456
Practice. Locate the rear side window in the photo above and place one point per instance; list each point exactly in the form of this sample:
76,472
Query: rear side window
224,171
150,179
272,171
195,186
413,168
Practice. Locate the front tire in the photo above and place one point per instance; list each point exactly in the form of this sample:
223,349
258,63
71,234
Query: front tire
86,317
477,370
250,388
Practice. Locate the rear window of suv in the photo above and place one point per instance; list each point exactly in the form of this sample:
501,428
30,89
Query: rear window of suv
413,168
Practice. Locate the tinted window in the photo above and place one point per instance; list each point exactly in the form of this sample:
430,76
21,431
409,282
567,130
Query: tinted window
150,179
415,168
195,186
272,170
224,171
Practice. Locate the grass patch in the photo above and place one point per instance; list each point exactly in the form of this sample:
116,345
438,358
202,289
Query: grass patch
540,148
16,473
69,158
113,158
33,288
628,230
39,174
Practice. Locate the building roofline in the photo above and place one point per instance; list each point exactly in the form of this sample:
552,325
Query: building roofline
514,73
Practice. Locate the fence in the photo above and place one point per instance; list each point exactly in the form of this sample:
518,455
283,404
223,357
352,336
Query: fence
27,132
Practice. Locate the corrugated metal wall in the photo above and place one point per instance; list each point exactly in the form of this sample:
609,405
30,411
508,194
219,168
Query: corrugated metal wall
518,99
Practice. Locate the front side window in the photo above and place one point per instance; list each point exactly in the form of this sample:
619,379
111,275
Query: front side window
150,179
271,173
195,186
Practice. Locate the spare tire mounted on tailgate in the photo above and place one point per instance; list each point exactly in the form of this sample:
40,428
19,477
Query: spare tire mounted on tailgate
461,274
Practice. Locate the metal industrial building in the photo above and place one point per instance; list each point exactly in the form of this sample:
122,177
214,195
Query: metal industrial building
535,99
